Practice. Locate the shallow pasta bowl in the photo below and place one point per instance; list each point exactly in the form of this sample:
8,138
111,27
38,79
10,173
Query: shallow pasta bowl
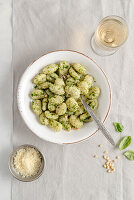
24,101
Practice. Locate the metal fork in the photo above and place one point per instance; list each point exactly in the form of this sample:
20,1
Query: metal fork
98,122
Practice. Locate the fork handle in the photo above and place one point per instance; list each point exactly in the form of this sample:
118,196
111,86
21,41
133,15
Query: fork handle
104,130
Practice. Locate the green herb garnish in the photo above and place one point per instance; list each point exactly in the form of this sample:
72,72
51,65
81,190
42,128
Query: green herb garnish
118,126
35,86
129,155
89,103
75,106
125,142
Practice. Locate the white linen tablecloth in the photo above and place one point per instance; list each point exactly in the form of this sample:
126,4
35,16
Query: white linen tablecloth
71,172
6,97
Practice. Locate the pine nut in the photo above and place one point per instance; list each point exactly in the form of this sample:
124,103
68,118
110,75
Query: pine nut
105,152
95,156
118,157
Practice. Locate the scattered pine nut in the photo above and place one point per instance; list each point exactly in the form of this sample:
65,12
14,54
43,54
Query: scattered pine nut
105,157
109,165
117,157
95,156
105,152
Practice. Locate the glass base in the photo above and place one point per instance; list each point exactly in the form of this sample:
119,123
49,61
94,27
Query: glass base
96,49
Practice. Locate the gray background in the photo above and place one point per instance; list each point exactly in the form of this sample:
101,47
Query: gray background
71,172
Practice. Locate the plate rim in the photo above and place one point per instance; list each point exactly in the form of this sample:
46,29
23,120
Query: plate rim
19,87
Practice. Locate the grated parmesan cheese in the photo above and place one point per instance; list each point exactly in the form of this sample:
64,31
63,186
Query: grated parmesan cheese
27,161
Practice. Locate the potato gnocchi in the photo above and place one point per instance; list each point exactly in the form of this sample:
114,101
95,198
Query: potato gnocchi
56,96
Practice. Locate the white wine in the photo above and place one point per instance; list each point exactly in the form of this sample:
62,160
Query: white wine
111,33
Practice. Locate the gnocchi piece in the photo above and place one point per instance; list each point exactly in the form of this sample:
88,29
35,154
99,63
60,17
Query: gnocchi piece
38,94
43,119
57,126
93,103
61,109
84,117
79,102
68,76
44,85
89,119
51,115
67,126
75,122
80,111
57,89
94,93
72,104
56,100
74,74
71,81
59,81
73,91
83,86
63,68
52,77
51,107
50,69
79,68
82,78
69,113
36,106
40,78
44,104
89,79
65,122
49,93
63,118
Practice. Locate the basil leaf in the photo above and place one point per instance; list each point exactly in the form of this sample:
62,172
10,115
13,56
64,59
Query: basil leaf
118,126
125,142
129,155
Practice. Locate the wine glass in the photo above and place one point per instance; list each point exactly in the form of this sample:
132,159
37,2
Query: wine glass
111,34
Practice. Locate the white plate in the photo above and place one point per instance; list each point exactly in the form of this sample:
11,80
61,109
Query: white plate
26,86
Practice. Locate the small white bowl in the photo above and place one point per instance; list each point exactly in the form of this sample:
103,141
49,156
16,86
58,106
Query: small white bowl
26,86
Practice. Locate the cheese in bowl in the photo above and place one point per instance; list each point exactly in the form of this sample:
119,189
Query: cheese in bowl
26,163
